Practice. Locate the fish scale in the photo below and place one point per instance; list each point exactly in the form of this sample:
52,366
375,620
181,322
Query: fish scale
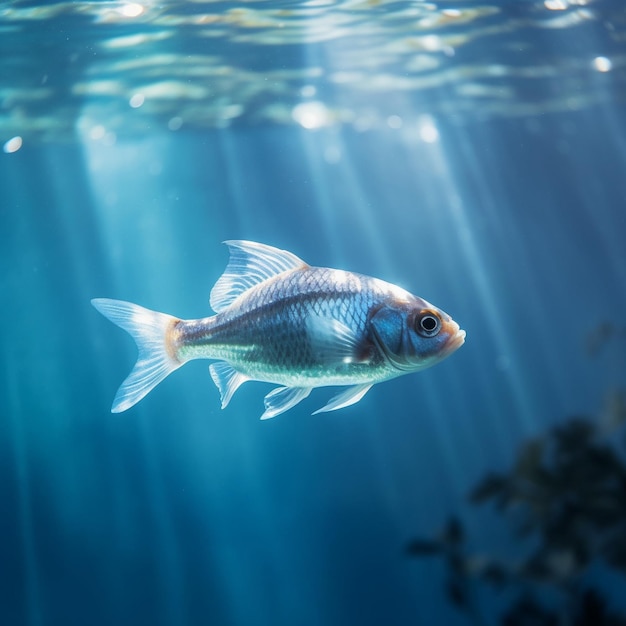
265,335
282,321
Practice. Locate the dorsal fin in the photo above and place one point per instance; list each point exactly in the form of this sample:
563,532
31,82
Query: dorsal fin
250,263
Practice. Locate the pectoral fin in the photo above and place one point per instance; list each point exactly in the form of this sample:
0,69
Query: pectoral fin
282,399
333,342
350,396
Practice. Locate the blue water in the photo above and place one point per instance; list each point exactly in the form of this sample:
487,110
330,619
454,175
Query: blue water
501,200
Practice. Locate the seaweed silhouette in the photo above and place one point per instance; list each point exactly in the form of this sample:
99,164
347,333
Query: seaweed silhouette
565,499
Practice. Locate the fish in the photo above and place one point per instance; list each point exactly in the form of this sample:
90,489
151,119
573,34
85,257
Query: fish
279,320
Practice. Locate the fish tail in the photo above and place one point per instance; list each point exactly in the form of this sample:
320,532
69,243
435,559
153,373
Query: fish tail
157,356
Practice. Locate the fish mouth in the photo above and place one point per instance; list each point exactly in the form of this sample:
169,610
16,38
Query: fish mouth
455,342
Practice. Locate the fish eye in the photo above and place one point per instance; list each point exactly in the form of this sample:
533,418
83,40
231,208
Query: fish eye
428,323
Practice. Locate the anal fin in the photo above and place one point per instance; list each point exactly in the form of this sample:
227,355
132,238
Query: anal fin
227,379
350,396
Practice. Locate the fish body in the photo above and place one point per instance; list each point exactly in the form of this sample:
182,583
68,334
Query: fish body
282,321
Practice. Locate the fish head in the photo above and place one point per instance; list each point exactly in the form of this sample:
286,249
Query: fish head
413,334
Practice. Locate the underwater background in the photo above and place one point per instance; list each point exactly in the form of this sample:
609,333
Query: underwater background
473,153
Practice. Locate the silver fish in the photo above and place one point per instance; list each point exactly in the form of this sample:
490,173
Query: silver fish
282,321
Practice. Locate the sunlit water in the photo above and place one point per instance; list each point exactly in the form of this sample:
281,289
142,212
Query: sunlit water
104,68
471,153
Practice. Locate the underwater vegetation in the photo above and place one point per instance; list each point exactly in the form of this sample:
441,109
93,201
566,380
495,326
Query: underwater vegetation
565,501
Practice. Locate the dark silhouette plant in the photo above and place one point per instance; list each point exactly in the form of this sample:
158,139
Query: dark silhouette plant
565,498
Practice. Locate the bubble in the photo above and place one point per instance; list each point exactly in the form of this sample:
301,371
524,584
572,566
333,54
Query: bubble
555,5
175,123
602,64
132,9
12,145
311,114
136,100
427,129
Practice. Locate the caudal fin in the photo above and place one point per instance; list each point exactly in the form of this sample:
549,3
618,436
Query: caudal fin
149,330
